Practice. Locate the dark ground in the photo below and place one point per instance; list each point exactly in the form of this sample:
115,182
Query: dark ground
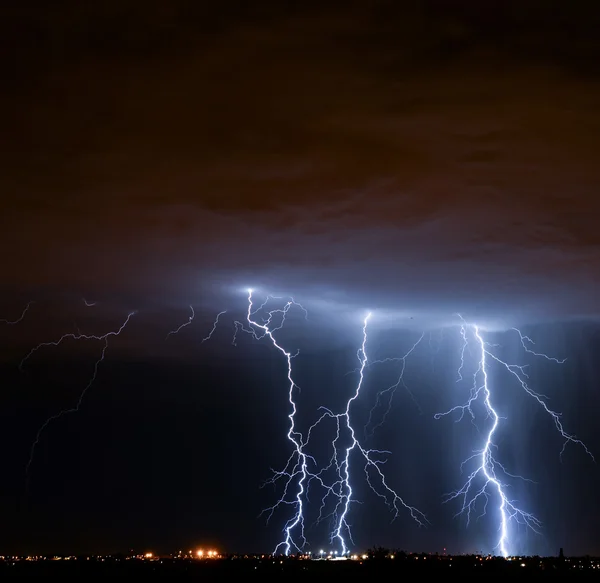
411,564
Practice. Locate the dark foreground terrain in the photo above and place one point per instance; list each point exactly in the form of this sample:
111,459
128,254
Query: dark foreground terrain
234,566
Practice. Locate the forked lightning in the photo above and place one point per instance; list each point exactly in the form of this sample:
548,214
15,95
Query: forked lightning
302,471
104,339
486,482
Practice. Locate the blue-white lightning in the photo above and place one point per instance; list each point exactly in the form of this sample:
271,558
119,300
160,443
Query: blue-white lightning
184,325
263,322
486,483
302,471
387,395
214,326
299,459
372,460
103,338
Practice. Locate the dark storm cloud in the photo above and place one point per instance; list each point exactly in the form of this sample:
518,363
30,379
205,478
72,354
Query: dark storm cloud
335,159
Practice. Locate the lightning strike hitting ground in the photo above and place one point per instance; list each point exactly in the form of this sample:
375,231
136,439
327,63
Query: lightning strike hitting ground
485,484
486,481
302,469
19,319
190,320
104,338
261,330
372,465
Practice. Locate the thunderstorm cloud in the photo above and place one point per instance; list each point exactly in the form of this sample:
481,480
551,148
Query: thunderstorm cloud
309,157
418,160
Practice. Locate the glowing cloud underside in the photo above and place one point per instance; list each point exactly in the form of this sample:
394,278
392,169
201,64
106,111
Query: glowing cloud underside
485,484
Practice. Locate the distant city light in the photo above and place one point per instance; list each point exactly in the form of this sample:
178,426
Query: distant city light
201,553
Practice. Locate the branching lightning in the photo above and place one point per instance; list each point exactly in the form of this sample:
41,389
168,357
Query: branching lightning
372,459
487,480
487,484
391,390
104,339
19,319
190,320
302,469
299,459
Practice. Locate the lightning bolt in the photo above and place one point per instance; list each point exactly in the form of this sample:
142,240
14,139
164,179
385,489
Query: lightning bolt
299,458
302,469
486,481
104,338
296,471
372,459
214,327
19,319
177,330
391,390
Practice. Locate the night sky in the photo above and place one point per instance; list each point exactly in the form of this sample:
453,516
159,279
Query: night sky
417,160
